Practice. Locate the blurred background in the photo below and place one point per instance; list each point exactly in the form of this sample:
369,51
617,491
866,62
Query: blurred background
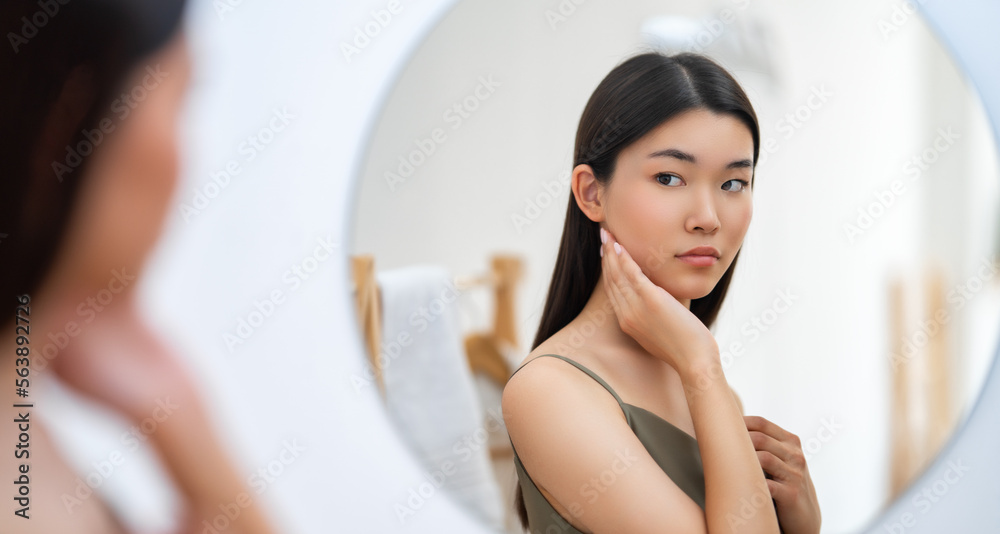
332,147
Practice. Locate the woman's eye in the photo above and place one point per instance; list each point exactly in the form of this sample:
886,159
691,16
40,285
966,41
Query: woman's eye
659,177
743,185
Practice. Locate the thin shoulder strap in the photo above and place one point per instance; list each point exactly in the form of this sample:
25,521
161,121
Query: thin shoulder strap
590,373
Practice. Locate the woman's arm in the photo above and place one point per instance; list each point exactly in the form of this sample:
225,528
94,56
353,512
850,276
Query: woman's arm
736,493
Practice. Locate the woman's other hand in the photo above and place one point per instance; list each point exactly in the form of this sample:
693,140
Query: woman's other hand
651,315
791,487
118,360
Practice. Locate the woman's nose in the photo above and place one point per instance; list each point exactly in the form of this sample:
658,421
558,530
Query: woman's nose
703,216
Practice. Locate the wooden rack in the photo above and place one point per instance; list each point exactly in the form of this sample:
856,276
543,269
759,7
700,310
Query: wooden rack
484,350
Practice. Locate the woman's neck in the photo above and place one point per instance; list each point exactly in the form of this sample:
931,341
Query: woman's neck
597,324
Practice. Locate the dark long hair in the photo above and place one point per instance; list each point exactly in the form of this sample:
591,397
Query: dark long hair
62,65
634,98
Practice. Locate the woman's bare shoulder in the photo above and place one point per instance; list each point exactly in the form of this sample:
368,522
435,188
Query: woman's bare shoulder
550,388
569,431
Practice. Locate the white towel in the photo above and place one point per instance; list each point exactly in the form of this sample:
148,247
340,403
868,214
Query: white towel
430,391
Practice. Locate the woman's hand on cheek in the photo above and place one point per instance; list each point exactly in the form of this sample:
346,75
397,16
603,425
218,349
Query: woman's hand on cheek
118,360
651,315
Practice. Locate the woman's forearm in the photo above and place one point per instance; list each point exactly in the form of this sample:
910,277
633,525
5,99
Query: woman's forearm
206,475
736,495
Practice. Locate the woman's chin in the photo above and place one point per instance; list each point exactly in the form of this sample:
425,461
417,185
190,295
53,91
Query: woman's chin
691,291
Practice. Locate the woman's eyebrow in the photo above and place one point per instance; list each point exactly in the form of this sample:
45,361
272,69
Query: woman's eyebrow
684,156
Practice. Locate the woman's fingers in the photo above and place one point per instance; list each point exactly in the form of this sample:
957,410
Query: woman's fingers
629,270
776,441
764,442
780,491
612,274
775,466
619,287
783,443
623,273
760,424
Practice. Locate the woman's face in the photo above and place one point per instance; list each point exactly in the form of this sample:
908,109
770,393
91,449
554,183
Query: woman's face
683,185
123,203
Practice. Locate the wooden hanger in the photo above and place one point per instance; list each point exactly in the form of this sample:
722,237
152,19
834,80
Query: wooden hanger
485,350
368,303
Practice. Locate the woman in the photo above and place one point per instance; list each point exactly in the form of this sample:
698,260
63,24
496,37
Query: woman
89,165
629,425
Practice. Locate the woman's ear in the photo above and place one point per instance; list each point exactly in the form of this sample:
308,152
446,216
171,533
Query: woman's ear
589,193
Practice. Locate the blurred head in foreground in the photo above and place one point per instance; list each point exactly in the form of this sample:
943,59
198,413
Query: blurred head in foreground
92,94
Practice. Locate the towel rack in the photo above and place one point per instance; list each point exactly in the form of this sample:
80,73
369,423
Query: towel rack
484,350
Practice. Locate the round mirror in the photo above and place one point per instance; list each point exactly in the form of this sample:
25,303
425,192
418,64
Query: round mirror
864,309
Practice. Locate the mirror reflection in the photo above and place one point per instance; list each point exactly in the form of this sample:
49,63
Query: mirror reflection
863,310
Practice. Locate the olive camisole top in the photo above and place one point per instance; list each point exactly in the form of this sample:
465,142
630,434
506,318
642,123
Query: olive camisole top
675,451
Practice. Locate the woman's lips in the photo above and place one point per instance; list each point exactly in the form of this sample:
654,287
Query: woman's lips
698,260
